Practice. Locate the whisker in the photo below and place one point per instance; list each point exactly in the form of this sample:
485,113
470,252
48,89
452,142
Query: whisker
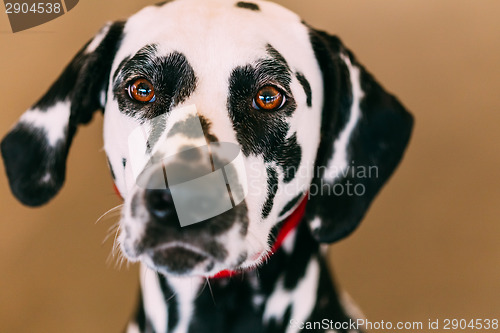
109,211
211,291
111,231
202,288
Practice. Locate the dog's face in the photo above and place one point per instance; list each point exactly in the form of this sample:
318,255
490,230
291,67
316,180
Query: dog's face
290,104
241,70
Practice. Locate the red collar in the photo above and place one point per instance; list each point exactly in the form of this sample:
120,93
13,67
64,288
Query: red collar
290,224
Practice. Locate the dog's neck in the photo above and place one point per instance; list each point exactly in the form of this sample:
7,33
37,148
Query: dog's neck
268,299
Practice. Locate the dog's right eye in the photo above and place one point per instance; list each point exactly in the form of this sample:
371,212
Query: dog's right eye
142,91
268,98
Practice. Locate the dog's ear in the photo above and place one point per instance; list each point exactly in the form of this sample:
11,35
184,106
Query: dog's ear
35,150
364,133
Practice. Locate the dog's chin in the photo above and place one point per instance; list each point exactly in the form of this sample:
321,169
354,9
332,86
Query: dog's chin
180,260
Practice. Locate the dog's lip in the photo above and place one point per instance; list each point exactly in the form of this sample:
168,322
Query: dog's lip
178,258
179,245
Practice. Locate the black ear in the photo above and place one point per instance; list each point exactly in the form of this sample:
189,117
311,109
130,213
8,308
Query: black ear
364,133
35,150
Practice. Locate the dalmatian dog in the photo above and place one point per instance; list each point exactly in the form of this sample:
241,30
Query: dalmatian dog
310,137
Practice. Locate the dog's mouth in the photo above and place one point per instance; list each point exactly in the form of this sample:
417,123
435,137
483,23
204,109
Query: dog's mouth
179,259
153,234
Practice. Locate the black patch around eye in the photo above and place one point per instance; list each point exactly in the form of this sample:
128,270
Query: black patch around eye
262,133
172,77
307,87
276,57
272,188
248,5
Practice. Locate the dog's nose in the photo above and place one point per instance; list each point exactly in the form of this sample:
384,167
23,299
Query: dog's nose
160,203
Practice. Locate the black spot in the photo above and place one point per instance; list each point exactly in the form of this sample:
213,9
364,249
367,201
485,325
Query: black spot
290,204
272,188
136,201
289,158
307,87
205,125
187,127
247,5
172,77
124,162
155,135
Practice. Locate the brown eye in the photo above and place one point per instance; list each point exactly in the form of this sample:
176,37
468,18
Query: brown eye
268,98
142,91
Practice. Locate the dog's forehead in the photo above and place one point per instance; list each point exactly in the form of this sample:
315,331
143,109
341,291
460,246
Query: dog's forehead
217,34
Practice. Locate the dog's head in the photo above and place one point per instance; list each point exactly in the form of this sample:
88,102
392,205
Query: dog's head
222,115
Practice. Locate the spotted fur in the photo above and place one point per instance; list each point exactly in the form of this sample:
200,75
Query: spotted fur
216,55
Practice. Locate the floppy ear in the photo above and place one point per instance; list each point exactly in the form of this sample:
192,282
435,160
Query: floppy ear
364,133
35,150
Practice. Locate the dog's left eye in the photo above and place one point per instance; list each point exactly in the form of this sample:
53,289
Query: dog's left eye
141,90
268,98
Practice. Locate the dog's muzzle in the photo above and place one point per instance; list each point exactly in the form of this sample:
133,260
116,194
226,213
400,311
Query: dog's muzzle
190,191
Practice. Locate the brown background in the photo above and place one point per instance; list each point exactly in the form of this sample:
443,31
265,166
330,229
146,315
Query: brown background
429,248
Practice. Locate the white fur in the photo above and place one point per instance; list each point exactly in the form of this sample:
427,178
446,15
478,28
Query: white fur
185,290
302,298
154,302
315,223
53,121
133,328
289,242
96,41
